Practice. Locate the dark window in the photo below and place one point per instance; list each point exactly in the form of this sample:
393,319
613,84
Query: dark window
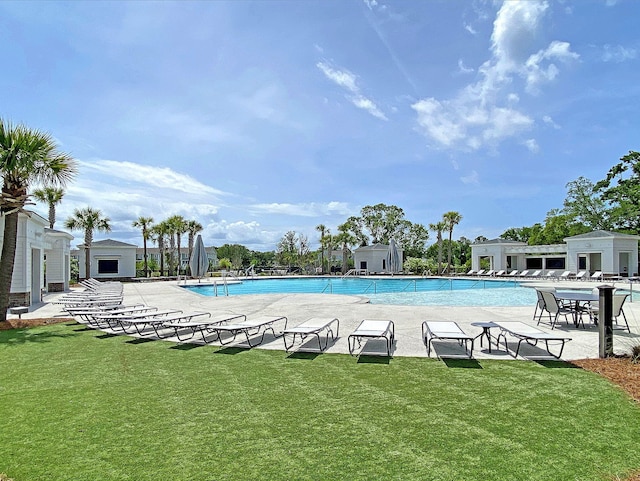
107,266
555,263
363,264
534,263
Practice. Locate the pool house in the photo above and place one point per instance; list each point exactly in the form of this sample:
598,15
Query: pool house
612,253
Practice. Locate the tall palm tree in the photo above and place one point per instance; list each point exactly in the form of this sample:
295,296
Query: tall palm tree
438,228
88,220
322,229
193,227
451,219
178,226
27,156
51,196
145,223
160,231
345,238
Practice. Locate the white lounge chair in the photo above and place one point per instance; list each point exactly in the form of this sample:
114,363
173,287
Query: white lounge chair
582,275
513,273
551,275
531,335
524,273
500,273
596,276
489,273
445,331
313,327
536,273
372,329
250,328
480,272
185,329
566,275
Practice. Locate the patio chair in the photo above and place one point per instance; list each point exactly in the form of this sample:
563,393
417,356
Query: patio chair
597,275
500,273
489,273
513,273
566,275
529,334
540,304
536,273
617,310
312,327
551,275
554,308
199,324
445,331
480,272
372,329
524,273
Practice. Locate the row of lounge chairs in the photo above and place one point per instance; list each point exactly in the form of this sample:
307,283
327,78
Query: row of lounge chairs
538,273
147,321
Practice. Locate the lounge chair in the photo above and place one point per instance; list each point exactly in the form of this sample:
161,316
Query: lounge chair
524,273
566,275
372,329
312,327
500,273
531,335
597,275
141,320
582,275
445,331
199,324
513,273
250,328
551,275
536,273
489,273
480,272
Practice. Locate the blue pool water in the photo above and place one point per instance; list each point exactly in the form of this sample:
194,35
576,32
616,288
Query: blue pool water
403,291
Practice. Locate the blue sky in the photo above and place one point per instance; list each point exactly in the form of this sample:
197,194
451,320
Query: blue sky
259,117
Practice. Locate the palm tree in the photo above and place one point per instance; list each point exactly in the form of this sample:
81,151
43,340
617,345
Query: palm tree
451,219
193,227
346,238
88,220
438,228
178,226
161,231
145,224
51,196
27,156
322,229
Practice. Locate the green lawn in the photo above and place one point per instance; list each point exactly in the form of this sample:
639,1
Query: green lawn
80,405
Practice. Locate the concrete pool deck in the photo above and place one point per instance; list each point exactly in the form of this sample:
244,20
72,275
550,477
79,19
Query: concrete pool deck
350,310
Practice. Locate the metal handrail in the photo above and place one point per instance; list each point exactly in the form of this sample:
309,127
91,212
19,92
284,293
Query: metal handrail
375,287
330,286
415,286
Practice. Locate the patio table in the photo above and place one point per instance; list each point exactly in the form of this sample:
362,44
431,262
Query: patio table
575,298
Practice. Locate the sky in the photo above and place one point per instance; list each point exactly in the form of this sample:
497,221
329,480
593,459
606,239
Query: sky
260,117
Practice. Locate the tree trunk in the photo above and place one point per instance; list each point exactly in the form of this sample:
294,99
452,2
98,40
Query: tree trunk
7,260
146,265
449,256
88,238
52,215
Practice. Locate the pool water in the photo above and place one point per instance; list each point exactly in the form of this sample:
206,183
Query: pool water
403,291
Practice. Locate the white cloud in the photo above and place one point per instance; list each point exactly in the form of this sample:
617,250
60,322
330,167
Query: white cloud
462,69
470,29
532,145
618,53
312,209
472,178
484,113
348,82
549,121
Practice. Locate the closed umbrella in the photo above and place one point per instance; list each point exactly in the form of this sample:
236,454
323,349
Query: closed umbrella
393,257
199,262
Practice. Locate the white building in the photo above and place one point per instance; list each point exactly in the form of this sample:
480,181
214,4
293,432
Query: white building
609,252
34,241
373,258
110,259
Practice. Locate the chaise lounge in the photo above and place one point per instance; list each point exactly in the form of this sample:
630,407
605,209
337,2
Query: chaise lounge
312,327
445,331
529,334
372,329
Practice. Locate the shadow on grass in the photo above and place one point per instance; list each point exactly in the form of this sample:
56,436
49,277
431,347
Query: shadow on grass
308,356
230,350
185,347
16,337
106,335
556,364
140,340
464,363
83,329
368,359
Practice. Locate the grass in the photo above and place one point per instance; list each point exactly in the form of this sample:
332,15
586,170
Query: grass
77,404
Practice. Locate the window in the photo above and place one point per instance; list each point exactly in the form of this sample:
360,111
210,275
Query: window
555,263
107,266
582,263
534,263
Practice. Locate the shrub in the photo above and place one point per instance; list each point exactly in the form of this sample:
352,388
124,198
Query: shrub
635,353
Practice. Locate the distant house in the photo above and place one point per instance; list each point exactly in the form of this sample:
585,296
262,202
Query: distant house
110,259
35,242
609,252
373,258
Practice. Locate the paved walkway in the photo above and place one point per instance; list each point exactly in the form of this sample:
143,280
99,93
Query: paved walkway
350,310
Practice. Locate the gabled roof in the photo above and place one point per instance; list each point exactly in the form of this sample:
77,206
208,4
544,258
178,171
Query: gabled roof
109,243
600,234
375,247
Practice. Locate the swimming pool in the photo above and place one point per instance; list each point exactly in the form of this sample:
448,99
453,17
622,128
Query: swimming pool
402,291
